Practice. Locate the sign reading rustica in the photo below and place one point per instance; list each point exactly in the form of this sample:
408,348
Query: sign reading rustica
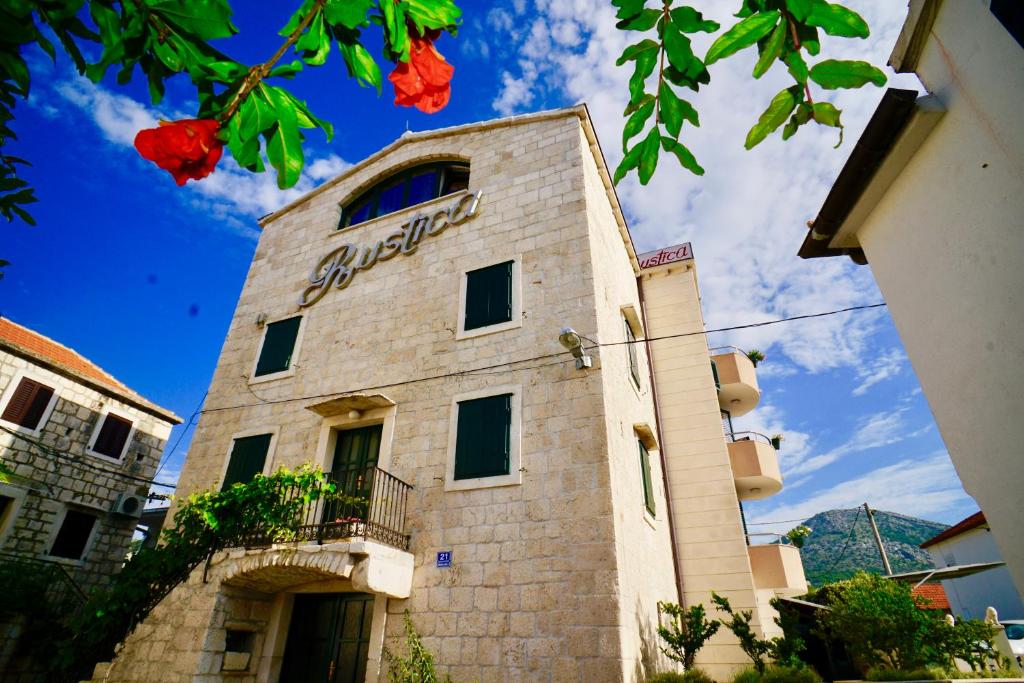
677,252
341,265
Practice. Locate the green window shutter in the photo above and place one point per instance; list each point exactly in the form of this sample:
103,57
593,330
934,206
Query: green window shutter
634,366
248,456
483,437
645,473
714,373
278,346
488,296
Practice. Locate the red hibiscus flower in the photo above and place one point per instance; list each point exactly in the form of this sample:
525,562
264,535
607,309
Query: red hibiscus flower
424,81
187,148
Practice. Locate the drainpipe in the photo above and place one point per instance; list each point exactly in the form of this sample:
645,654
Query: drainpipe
661,448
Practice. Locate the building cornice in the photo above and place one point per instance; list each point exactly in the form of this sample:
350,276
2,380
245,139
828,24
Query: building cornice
916,29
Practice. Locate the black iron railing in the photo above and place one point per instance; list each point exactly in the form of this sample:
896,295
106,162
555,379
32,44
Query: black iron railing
358,503
58,588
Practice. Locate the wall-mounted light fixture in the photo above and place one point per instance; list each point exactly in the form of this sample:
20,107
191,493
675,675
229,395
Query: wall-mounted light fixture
571,340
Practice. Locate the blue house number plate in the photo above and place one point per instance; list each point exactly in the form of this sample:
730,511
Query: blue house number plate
444,558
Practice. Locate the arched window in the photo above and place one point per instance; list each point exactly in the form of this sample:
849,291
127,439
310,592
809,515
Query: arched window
406,188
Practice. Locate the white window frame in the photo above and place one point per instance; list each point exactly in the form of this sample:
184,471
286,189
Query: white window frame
268,462
59,522
8,394
104,411
253,379
517,297
331,426
515,473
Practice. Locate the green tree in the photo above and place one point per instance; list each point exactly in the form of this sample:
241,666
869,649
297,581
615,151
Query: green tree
685,632
418,665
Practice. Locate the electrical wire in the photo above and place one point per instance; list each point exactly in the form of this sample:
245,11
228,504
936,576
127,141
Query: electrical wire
780,521
560,355
167,458
853,527
78,462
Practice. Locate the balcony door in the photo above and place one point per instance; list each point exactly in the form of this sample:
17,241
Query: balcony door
328,639
355,460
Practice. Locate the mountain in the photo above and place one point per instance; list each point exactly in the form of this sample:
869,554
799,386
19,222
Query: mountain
828,557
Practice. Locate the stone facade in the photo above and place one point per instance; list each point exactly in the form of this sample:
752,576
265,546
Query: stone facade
53,469
555,573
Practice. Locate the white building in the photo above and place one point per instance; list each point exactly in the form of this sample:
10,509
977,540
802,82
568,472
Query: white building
932,197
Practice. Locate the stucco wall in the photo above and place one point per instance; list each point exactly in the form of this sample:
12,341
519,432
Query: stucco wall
945,244
971,595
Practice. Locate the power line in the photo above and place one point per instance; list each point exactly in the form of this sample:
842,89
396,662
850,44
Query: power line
560,354
780,521
82,464
167,459
853,527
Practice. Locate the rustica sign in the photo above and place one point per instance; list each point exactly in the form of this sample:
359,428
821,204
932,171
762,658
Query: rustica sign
338,267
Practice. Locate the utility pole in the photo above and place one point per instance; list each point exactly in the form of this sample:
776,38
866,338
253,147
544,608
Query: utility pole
878,540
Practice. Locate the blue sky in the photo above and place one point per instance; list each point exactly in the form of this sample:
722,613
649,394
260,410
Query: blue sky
142,276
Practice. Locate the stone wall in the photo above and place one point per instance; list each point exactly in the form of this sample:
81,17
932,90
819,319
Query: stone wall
52,471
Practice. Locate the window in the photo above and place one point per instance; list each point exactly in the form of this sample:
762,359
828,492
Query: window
404,189
28,404
247,459
645,473
74,534
488,296
112,436
483,440
634,367
278,346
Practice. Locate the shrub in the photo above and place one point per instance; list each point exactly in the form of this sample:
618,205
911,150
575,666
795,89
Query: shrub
691,676
685,632
418,666
790,674
747,676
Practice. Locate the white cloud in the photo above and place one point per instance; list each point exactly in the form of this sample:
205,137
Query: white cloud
874,431
230,192
921,488
885,366
747,215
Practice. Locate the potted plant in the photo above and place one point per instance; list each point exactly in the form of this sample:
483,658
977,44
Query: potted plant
755,356
777,441
798,535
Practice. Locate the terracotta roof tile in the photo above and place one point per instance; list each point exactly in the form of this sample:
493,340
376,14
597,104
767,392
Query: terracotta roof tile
49,351
934,593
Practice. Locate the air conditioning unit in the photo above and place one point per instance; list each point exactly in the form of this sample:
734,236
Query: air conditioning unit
128,505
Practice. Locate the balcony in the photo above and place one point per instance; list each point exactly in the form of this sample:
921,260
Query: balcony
777,566
755,465
374,508
736,380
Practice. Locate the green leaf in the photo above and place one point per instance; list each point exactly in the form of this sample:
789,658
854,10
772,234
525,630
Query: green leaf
228,71
396,32
633,106
15,69
205,19
645,62
168,56
827,115
837,20
255,115
431,14
842,73
315,44
648,156
635,123
634,51
689,20
361,65
644,21
801,116
348,13
628,8
799,8
808,36
685,157
771,51
673,110
742,35
628,163
284,142
774,116
246,151
797,66
677,47
306,118
296,18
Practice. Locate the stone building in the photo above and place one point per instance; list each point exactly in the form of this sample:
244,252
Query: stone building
81,448
401,327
